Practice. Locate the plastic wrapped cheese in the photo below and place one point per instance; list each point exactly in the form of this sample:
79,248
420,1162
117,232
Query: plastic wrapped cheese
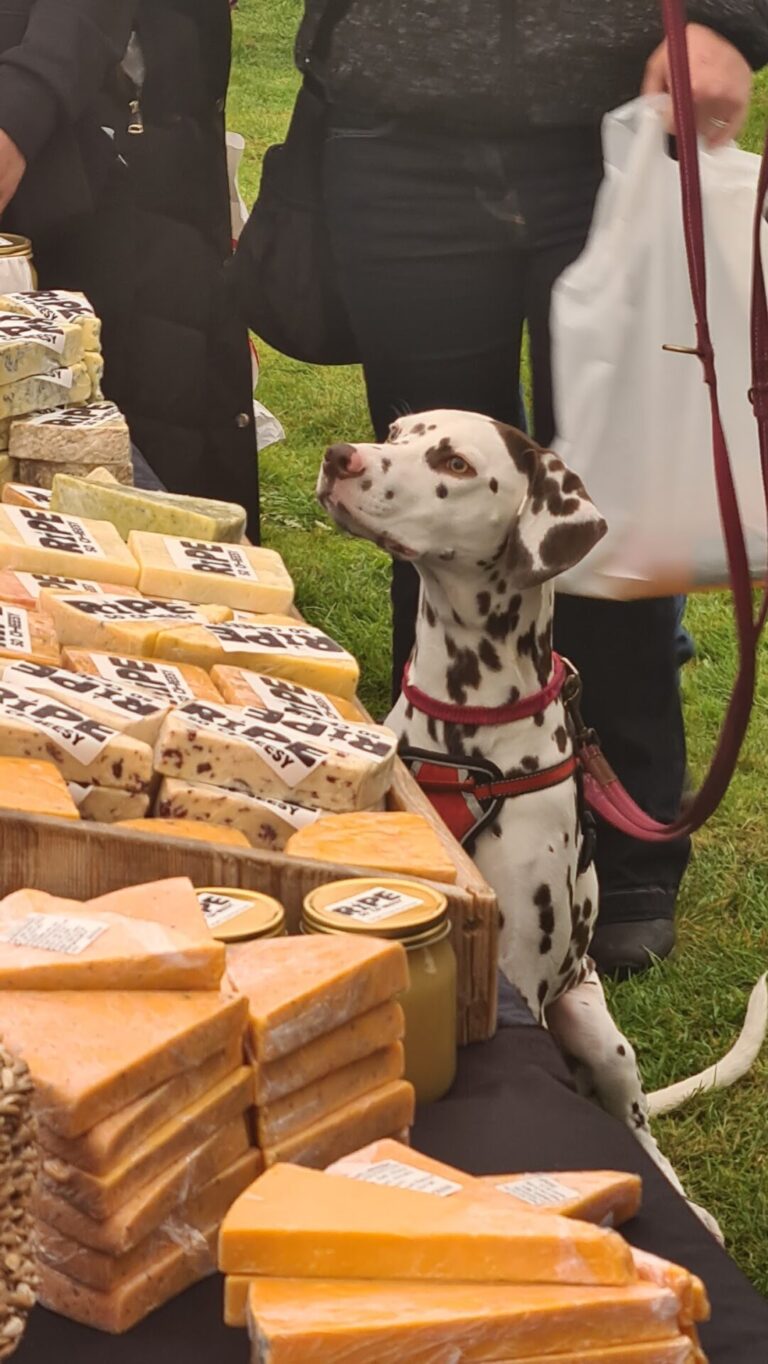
241,687
357,1038
265,823
300,988
90,1052
101,1195
241,576
277,645
55,944
293,1114
123,624
389,1108
45,542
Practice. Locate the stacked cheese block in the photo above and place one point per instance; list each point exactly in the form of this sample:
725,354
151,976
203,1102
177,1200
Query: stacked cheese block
324,1037
141,1093
389,1255
53,419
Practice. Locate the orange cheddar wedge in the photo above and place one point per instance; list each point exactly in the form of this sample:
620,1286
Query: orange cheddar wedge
357,1038
390,841
31,786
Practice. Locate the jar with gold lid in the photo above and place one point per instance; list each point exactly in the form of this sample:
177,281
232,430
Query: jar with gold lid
416,916
235,915
17,272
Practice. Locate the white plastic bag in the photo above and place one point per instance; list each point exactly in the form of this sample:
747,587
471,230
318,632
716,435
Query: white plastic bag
634,419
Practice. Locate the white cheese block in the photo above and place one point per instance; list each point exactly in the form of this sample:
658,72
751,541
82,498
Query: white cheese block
47,542
277,645
70,384
127,624
26,495
240,576
107,805
29,346
93,434
57,306
84,750
266,823
306,763
23,589
129,712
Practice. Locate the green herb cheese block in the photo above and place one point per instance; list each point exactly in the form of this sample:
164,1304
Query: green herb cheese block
135,509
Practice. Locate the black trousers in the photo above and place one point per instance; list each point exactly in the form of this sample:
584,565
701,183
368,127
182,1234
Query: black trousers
446,249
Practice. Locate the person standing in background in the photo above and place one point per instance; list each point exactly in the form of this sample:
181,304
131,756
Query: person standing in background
113,163
462,162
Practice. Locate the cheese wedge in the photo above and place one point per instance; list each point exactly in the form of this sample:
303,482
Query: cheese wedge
167,681
279,646
101,1195
57,306
106,1272
155,1202
281,756
240,687
93,434
26,635
240,576
54,944
26,495
292,1115
393,841
91,1052
112,1141
30,346
173,1269
55,388
128,623
676,1351
185,828
23,589
163,513
303,1223
300,1321
689,1290
333,1051
299,988
105,805
389,1108
45,542
85,751
36,788
128,712
265,823
172,901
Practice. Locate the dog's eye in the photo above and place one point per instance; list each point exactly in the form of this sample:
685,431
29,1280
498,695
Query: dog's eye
458,466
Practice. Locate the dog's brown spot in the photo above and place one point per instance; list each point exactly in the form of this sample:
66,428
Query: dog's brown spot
566,838
432,728
542,992
519,558
389,495
453,741
419,429
564,545
537,647
441,490
514,695
501,585
561,738
409,711
524,452
489,657
621,1050
366,485
429,615
530,763
538,720
462,675
386,464
457,617
493,484
503,620
496,830
483,603
573,484
438,454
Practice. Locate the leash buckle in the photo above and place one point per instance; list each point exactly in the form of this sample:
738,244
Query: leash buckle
583,735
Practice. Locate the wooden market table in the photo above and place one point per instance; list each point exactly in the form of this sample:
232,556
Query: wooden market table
511,1109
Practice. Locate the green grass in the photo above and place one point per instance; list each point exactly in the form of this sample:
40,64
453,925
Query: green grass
685,1013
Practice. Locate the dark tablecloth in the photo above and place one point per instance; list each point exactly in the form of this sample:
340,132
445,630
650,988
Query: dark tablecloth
511,1109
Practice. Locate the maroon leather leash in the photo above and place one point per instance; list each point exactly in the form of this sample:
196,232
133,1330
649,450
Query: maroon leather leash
602,790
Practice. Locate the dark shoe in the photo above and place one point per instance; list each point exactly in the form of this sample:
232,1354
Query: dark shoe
620,950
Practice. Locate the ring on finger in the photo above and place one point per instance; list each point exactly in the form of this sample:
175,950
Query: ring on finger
719,122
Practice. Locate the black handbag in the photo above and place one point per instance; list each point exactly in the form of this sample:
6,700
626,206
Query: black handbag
282,278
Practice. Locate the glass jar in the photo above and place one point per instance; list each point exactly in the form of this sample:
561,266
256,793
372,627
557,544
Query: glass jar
235,915
17,271
416,916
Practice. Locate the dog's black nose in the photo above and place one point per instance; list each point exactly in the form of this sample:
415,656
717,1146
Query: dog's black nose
343,461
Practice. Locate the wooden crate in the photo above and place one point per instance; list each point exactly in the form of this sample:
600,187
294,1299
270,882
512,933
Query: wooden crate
83,860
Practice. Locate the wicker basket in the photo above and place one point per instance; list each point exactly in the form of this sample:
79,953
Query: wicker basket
18,1170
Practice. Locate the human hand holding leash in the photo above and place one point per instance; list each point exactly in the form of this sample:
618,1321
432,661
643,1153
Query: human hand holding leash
12,168
721,79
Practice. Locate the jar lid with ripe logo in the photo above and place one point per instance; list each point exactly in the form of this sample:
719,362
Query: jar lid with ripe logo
235,915
382,907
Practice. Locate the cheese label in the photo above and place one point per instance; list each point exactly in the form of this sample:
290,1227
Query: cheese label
59,305
41,496
381,902
33,583
87,417
14,630
540,1191
129,610
350,739
80,737
51,530
299,640
55,933
63,377
288,755
219,909
165,681
393,1174
298,816
203,556
35,330
117,700
279,694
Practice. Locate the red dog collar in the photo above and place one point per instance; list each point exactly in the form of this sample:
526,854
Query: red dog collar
523,709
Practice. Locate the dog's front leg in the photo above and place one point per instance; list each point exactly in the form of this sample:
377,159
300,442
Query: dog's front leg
582,1025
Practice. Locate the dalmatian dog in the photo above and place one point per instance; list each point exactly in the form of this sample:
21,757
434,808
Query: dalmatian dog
489,519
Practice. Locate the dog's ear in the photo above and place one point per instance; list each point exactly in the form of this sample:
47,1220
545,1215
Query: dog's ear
558,524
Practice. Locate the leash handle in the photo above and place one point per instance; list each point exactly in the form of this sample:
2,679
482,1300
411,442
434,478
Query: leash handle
603,791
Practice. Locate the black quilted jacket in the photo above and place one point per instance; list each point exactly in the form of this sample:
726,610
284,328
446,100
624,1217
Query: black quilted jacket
494,64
